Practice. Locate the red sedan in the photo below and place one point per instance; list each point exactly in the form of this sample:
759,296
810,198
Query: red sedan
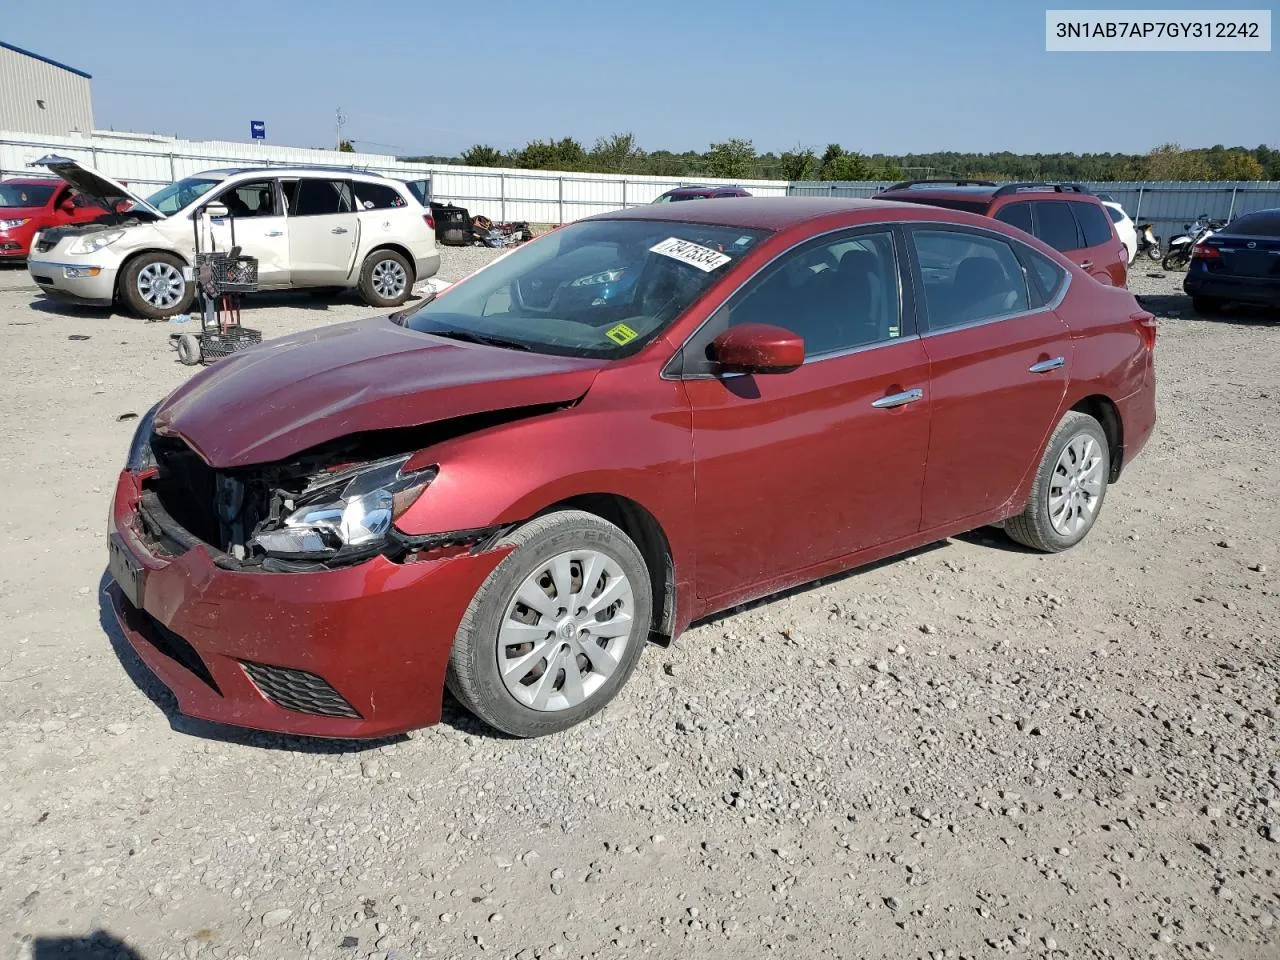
30,205
511,488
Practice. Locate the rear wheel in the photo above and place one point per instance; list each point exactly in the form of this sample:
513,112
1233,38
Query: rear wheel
153,286
1176,260
1206,305
385,279
555,631
1070,485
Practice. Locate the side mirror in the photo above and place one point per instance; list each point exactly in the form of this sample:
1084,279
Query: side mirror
757,348
216,210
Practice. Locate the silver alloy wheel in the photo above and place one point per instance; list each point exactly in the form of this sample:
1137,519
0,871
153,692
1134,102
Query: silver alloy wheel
1076,486
160,284
565,630
389,279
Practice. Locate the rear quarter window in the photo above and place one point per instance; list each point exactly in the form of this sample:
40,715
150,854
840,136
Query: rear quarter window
1048,276
377,196
1016,215
1093,223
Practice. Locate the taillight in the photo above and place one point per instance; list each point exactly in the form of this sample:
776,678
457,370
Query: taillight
1202,251
431,221
1146,324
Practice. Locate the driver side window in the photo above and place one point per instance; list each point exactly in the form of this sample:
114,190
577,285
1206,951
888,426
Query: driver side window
838,294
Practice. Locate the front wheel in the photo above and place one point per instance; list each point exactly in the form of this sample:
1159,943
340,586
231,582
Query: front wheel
385,279
1176,260
154,286
1153,253
555,631
1070,485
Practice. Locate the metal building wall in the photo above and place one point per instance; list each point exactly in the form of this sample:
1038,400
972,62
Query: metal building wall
27,81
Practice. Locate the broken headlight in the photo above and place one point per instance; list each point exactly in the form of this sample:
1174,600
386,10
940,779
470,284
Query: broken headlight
351,511
140,455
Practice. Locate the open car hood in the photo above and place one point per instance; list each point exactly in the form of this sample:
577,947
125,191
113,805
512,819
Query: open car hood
94,184
292,393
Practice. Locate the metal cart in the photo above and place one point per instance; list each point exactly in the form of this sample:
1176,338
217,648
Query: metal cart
220,278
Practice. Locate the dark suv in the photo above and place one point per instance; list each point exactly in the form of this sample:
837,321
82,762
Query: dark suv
1065,216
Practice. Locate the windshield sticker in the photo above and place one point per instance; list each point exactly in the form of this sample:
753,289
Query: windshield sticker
621,334
704,258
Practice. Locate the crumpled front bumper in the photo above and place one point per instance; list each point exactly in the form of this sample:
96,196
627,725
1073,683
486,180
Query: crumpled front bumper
268,650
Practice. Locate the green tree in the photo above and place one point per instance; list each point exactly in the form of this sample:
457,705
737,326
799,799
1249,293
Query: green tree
482,155
731,160
345,146
565,154
1238,165
798,163
1170,162
616,153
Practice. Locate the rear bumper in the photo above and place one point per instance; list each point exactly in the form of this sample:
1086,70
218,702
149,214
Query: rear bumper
426,267
51,277
1256,290
376,635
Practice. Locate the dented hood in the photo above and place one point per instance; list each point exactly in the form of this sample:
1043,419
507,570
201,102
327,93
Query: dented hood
290,394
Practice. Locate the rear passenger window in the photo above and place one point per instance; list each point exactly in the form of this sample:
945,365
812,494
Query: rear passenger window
318,197
968,278
1016,215
1055,225
377,196
1093,222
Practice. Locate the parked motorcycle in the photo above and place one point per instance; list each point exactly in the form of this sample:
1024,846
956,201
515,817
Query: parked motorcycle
1179,254
1148,242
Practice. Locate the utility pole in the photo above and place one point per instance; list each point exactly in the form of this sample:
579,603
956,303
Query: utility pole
340,121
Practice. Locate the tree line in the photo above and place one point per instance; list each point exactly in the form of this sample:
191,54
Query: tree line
738,159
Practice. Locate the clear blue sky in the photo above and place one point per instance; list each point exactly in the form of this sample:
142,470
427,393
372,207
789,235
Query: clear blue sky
417,76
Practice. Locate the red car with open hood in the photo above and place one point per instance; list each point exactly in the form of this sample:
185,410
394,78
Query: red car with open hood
512,488
29,205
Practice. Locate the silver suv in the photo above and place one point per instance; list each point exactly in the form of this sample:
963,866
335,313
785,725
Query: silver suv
316,228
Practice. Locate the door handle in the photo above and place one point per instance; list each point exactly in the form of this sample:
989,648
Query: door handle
1086,265
898,399
275,233
338,230
1044,366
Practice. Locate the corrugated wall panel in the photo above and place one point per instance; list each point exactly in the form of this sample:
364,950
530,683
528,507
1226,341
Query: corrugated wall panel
26,83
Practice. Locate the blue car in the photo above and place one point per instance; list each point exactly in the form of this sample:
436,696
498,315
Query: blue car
1238,264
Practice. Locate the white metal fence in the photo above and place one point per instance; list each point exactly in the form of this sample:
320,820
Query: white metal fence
498,193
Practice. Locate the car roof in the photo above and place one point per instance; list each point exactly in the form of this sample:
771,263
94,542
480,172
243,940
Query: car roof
766,213
226,173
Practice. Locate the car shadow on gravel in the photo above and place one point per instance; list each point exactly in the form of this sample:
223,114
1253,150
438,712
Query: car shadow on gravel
97,946
62,308
1177,305
159,694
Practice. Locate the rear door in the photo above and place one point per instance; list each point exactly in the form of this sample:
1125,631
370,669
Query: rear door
1103,247
324,231
261,229
1000,360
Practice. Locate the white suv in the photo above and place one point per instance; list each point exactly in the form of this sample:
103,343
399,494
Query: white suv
309,227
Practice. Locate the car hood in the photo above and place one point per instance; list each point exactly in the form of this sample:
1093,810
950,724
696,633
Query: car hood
295,392
94,184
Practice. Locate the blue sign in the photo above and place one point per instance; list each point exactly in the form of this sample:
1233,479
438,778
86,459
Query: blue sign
258,129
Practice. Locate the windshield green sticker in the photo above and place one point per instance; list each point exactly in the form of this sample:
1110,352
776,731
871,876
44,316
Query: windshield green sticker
621,334
694,254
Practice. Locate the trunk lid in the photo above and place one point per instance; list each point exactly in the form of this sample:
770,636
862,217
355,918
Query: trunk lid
97,185
295,392
1247,256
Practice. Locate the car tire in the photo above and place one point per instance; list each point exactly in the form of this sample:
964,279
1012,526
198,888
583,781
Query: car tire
153,286
1069,488
552,557
386,279
1206,305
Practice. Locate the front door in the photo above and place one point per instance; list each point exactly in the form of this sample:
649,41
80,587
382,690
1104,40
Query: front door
324,231
1000,362
797,468
260,229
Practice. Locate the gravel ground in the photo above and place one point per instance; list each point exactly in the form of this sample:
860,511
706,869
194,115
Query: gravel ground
966,752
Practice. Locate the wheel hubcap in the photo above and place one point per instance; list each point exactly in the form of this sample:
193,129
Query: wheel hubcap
1076,487
388,279
161,285
565,630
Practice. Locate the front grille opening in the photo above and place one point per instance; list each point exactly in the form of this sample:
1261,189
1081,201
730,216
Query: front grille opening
171,645
299,691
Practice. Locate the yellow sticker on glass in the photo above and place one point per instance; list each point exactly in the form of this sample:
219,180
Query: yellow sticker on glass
621,334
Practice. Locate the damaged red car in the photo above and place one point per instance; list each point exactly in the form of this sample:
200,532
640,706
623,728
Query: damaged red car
512,488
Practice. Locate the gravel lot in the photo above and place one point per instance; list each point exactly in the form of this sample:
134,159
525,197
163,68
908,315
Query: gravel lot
966,752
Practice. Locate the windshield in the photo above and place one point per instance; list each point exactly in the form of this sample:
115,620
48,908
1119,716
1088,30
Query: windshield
175,196
25,194
598,288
